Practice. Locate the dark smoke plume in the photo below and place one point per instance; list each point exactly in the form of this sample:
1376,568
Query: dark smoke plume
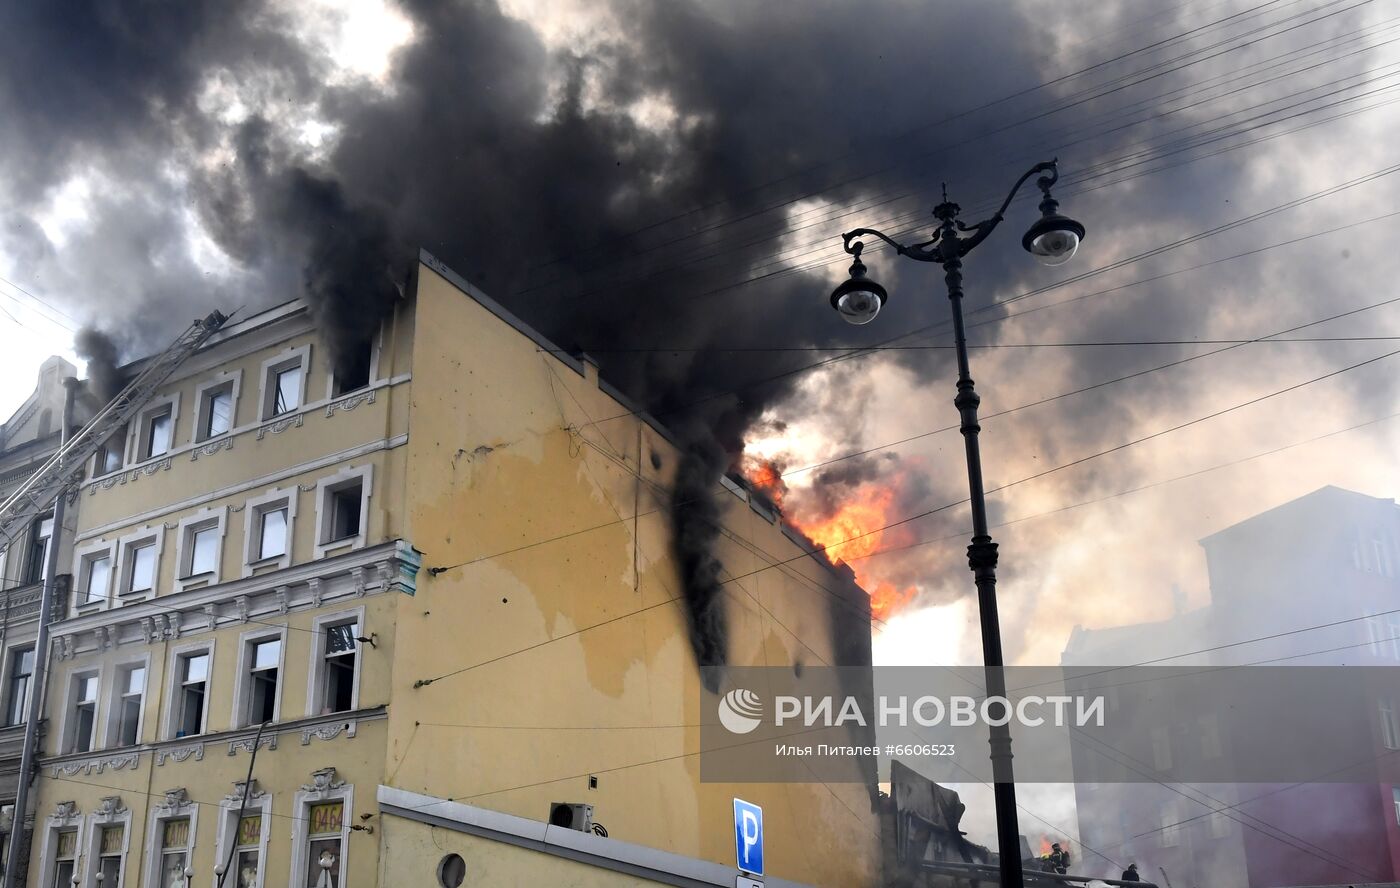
695,520
105,380
527,169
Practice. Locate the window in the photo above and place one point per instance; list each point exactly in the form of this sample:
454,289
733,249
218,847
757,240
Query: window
264,661
96,577
1171,828
174,852
352,370
342,509
1380,551
110,848
1219,825
129,693
21,674
65,858
202,549
272,532
325,821
157,428
1384,636
339,660
40,532
1395,797
268,525
216,411
192,672
247,857
283,388
141,567
1390,725
82,714
109,455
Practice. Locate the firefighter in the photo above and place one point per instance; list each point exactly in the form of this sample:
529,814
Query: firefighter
1059,859
1130,874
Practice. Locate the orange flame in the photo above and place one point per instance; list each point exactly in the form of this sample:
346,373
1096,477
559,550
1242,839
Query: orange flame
855,531
765,476
1045,846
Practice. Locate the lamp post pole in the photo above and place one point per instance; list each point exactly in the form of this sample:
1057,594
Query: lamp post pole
1053,239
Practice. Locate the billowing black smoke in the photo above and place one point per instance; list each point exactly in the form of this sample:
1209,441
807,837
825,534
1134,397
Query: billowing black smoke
105,379
535,173
695,518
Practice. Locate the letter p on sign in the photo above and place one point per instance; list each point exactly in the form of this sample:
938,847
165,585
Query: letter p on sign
748,836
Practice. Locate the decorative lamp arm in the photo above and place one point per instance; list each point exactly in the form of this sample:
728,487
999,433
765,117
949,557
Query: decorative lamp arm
986,226
918,251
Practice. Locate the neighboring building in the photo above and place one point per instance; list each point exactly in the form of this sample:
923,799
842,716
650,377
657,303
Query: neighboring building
28,438
248,552
1329,556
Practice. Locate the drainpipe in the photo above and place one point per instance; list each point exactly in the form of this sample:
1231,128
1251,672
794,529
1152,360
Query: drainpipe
27,769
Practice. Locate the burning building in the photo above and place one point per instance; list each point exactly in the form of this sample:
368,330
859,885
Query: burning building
253,676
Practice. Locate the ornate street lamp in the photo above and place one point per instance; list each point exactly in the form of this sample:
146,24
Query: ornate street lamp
1053,239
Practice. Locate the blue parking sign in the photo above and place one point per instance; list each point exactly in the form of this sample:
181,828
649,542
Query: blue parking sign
748,836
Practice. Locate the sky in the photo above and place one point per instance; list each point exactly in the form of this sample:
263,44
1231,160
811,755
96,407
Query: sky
664,185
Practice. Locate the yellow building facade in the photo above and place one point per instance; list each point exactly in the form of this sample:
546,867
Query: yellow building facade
248,554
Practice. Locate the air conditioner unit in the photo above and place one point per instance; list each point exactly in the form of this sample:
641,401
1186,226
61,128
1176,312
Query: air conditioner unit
571,815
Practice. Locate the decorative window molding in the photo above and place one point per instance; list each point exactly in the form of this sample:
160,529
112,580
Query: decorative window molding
65,817
243,692
293,356
327,538
325,786
177,805
79,684
228,380
174,680
138,447
253,512
116,695
110,813
83,561
205,519
316,676
257,804
127,549
376,345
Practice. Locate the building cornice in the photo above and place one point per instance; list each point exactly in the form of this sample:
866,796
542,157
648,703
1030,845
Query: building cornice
298,731
264,598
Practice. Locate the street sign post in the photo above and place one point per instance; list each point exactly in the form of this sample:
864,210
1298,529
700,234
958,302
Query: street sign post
748,837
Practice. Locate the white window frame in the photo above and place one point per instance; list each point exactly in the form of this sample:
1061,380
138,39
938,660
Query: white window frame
233,381
81,559
53,825
138,431
316,675
173,682
259,803
97,822
267,392
243,692
112,721
1171,825
120,439
67,731
125,546
252,528
7,678
302,800
218,517
1389,720
325,488
376,344
156,826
